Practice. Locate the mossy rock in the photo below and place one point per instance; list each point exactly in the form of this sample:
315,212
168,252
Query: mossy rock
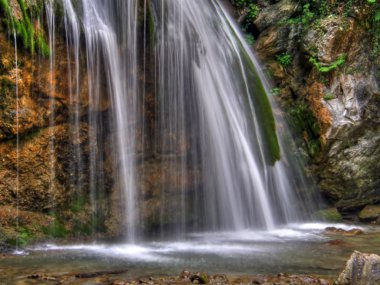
329,215
200,278
370,213
19,17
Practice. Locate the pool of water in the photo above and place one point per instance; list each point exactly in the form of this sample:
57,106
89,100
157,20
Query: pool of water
297,248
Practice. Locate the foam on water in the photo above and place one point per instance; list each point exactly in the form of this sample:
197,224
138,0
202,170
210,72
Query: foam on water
240,243
323,226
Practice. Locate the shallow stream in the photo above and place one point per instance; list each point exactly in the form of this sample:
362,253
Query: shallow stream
298,249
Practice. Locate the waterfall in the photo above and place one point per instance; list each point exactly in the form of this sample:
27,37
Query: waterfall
185,93
209,88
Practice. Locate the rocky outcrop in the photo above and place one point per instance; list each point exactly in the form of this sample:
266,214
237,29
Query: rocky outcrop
361,269
326,78
351,138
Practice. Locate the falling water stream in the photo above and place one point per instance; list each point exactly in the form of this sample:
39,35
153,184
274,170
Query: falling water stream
17,140
222,163
228,185
214,129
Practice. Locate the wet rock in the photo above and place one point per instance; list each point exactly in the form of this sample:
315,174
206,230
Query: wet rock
36,188
370,213
349,174
351,232
351,136
274,14
335,242
361,269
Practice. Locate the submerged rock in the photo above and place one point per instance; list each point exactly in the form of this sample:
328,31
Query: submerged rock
361,269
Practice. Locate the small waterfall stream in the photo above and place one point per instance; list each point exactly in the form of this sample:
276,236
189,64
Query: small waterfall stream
17,190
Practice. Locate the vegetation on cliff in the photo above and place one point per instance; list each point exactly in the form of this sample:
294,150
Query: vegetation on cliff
24,21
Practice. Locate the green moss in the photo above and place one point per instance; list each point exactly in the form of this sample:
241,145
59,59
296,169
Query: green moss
23,27
329,97
307,126
263,109
284,59
330,215
42,45
77,205
249,38
201,278
252,12
264,113
22,239
4,5
82,229
275,91
56,229
150,25
327,68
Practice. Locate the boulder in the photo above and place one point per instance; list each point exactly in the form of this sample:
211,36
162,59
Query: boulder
370,213
361,269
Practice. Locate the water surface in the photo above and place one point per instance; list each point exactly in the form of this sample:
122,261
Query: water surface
298,248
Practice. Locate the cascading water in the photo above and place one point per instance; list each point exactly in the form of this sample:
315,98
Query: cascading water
214,115
213,131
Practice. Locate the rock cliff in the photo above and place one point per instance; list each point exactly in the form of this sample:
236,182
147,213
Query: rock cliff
324,60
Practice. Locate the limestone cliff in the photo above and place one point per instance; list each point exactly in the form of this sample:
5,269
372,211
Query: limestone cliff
324,60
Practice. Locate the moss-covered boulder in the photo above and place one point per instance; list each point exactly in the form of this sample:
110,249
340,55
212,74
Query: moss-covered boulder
329,215
370,213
